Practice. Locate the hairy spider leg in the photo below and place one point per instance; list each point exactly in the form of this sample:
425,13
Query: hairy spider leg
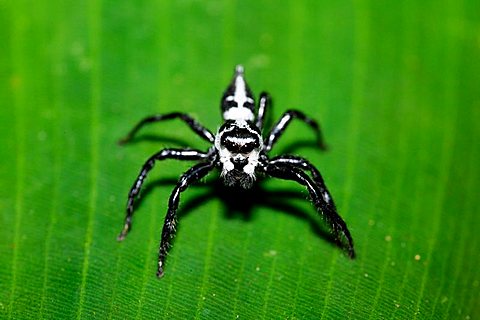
283,123
192,123
264,104
304,164
179,154
192,175
290,172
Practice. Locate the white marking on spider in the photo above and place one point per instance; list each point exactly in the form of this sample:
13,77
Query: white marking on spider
240,140
236,113
326,197
226,156
249,168
240,96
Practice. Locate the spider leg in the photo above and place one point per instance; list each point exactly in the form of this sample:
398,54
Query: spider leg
284,121
304,164
291,172
179,154
264,103
192,123
194,174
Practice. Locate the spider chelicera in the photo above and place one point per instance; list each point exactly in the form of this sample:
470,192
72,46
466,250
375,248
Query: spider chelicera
240,152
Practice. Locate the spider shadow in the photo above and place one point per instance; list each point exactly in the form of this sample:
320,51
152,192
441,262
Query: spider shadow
241,204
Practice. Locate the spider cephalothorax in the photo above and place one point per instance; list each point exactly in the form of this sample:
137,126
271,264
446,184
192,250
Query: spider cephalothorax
241,152
238,144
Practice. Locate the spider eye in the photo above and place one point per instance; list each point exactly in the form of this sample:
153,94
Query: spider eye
240,144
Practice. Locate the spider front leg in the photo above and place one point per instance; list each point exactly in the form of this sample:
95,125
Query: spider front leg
192,123
291,172
304,164
283,123
179,154
194,174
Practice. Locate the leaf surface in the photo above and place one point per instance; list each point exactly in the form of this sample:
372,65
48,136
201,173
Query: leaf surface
394,86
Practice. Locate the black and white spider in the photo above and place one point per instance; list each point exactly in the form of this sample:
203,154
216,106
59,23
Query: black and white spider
240,152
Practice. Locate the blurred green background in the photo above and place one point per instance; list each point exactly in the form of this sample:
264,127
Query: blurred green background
395,86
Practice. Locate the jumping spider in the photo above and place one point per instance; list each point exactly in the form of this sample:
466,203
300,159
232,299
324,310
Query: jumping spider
240,152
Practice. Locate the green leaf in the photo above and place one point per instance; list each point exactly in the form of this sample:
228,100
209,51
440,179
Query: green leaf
395,87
